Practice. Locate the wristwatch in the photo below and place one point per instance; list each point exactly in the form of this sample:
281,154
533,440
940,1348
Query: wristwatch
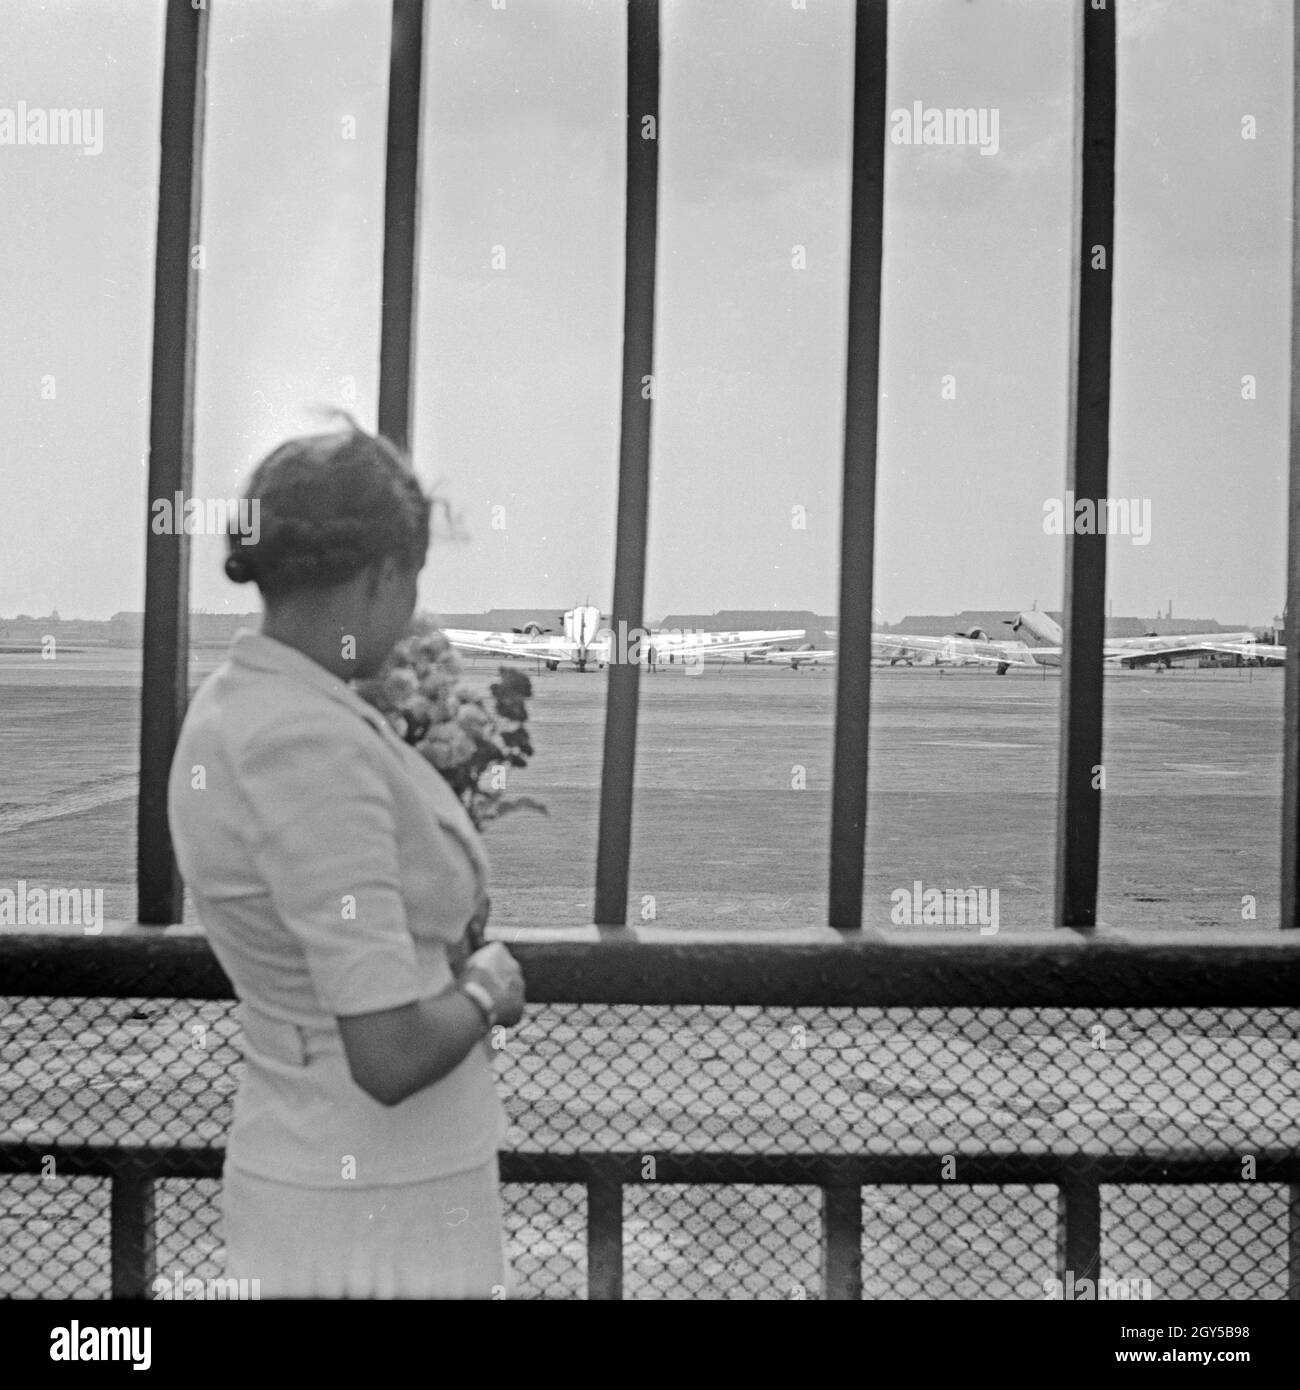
479,994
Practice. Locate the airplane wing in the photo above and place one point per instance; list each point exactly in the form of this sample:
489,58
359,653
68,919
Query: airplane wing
1265,651
1127,656
1002,655
806,658
887,648
669,643
511,644
1008,654
956,649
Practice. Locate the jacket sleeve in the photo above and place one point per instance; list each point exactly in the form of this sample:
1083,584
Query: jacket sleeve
324,841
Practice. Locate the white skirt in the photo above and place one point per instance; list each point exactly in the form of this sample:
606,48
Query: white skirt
437,1239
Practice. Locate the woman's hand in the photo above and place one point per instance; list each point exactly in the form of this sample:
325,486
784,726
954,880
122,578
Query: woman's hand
393,1053
498,972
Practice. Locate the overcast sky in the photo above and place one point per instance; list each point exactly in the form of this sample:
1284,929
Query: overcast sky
519,366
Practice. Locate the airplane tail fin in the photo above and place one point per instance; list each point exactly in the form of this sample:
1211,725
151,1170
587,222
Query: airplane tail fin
1037,625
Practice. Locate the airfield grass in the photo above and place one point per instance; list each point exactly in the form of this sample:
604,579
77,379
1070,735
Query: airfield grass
732,811
731,828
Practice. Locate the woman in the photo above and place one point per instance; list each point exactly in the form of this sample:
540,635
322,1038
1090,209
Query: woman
336,873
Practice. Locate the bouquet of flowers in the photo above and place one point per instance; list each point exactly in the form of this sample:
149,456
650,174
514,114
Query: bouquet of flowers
421,694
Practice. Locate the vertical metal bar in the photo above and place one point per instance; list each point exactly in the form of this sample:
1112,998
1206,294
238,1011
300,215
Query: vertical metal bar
604,1241
842,1243
1291,724
401,223
1078,833
640,238
165,679
1078,1233
858,508
131,1232
1293,1240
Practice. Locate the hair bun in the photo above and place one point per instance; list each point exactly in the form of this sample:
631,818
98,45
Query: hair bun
331,505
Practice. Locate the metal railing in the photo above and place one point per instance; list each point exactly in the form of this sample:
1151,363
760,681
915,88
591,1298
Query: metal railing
979,1001
1074,965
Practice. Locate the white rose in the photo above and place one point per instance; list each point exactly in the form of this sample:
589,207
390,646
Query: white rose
473,718
447,745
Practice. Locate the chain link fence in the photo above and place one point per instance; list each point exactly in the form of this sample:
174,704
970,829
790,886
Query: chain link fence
731,1089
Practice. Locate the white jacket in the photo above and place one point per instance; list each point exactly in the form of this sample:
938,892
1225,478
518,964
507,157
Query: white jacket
331,867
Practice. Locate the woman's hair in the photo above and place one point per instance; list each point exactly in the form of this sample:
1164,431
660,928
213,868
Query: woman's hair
330,505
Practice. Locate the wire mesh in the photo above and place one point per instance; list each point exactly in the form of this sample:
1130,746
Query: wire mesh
726,1085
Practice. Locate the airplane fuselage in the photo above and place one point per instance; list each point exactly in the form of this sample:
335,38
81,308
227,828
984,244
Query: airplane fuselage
1143,651
586,642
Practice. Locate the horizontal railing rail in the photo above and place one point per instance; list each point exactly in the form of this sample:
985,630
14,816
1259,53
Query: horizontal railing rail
132,1172
1189,1165
1094,968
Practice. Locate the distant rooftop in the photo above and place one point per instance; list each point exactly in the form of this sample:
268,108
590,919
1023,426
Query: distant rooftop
507,619
752,619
